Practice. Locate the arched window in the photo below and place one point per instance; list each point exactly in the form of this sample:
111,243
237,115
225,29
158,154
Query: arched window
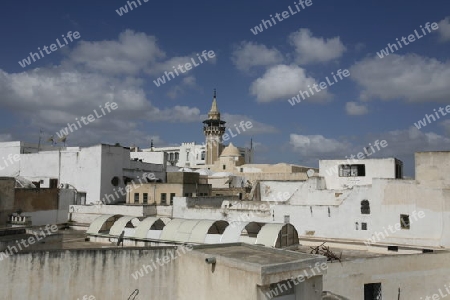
171,156
203,155
365,207
177,155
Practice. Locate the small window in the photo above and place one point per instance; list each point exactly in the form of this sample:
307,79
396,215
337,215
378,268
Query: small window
352,170
53,183
145,198
365,207
136,197
203,155
241,170
372,291
224,167
41,181
172,195
404,222
363,226
393,248
163,198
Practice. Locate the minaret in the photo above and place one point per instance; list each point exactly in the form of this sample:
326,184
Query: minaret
213,128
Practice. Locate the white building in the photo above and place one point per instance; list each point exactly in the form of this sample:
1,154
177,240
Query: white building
100,171
372,206
188,155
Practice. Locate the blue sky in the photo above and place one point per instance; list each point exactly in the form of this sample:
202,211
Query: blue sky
118,57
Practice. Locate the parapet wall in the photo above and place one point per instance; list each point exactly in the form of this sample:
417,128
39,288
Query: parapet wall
103,273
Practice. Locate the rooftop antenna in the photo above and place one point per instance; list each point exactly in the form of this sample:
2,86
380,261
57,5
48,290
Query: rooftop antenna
63,139
40,135
251,151
51,140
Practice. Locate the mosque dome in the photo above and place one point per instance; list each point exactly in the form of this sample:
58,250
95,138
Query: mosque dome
230,151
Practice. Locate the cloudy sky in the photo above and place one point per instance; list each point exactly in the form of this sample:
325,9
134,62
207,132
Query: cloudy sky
117,58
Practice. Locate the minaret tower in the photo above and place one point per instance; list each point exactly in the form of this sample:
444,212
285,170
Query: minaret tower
213,128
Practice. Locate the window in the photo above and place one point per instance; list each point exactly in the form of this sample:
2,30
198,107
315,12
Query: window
224,167
203,155
393,248
404,221
187,156
372,291
365,207
163,198
241,170
352,170
177,156
136,197
53,183
172,195
145,199
363,226
170,156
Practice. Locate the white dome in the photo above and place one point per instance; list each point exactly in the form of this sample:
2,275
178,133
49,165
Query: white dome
231,151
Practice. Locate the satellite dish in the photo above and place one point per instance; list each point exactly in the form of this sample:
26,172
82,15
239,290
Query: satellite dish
310,173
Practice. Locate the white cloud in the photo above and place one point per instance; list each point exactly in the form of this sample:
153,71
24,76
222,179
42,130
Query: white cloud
311,49
400,143
317,145
131,53
177,90
356,109
410,77
283,81
249,54
257,127
444,29
90,75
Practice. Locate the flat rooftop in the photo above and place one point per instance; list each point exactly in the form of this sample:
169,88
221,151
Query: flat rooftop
255,255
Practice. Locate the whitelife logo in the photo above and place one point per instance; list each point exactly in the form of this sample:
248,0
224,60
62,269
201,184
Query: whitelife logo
284,15
323,85
124,9
411,38
431,118
89,119
188,66
35,56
